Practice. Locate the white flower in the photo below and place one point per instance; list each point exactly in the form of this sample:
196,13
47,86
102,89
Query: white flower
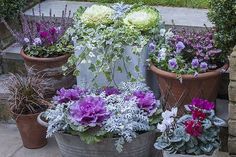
97,14
58,29
91,54
26,40
169,34
168,121
168,114
162,54
162,50
161,127
37,41
162,32
143,19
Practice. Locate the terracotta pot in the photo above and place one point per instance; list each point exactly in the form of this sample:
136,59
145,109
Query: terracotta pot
51,69
177,93
33,134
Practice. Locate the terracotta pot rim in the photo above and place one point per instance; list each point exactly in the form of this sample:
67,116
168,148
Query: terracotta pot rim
163,73
26,115
25,56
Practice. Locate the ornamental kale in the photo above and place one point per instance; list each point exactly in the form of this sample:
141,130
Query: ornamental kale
122,113
196,133
44,36
101,37
185,52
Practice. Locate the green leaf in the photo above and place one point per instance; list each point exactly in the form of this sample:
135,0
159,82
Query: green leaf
89,138
137,68
119,69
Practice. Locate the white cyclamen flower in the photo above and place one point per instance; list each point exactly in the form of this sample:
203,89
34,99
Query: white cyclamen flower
143,19
161,127
97,14
168,121
168,114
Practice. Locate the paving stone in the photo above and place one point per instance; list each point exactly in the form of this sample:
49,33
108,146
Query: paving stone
180,16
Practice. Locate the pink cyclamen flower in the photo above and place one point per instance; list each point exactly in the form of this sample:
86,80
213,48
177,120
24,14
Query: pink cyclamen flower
90,111
201,104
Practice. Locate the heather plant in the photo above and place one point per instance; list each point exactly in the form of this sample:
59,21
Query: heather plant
185,52
109,112
195,133
223,14
101,34
44,36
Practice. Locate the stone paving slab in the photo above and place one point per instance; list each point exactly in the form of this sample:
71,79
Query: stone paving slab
181,16
11,145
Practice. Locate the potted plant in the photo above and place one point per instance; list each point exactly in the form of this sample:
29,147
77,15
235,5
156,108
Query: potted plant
187,65
104,123
45,48
26,103
110,42
194,134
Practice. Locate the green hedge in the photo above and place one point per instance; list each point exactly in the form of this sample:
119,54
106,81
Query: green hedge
223,15
10,8
177,3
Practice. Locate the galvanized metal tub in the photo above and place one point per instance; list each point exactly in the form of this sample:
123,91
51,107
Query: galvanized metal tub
72,146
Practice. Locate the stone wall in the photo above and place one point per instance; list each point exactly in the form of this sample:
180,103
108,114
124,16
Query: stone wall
232,105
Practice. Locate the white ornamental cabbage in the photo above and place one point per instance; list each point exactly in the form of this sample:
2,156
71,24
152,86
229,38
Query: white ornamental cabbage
142,18
97,14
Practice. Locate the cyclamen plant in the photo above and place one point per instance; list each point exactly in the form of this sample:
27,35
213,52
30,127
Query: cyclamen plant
100,34
185,52
196,133
43,36
110,112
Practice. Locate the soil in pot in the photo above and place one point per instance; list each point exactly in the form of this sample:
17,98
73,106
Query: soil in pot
32,133
179,93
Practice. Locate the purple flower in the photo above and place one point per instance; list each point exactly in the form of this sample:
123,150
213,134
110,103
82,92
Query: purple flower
172,63
44,34
195,63
53,30
146,101
179,47
204,66
90,111
111,90
66,95
37,41
152,47
201,104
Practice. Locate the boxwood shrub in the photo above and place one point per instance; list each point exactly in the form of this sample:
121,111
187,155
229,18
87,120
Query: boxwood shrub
9,9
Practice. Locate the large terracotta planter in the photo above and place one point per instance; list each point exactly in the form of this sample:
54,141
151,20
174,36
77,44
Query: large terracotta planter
51,69
33,134
179,93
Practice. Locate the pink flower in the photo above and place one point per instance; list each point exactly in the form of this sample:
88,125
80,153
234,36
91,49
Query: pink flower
201,104
198,115
194,128
44,34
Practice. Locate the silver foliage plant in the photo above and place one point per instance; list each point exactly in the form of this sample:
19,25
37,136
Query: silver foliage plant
119,113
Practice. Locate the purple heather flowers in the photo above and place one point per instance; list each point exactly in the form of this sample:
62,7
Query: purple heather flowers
90,111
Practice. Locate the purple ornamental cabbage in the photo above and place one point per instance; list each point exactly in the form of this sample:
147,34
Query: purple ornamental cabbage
66,95
202,104
146,101
90,111
111,90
